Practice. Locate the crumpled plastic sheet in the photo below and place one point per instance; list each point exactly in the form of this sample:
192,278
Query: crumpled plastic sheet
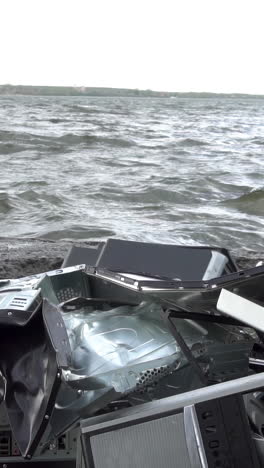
115,352
115,348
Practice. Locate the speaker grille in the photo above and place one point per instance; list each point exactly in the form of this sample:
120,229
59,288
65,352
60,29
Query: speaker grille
153,444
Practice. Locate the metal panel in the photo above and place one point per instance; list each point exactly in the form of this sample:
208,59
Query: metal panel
241,309
171,404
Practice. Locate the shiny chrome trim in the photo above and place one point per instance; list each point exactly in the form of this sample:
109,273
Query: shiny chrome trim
194,438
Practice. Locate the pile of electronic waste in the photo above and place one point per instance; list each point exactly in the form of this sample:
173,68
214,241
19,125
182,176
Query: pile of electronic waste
134,355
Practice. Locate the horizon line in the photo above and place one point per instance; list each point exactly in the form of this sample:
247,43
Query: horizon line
82,88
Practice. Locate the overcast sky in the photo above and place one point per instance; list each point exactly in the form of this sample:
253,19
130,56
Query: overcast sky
171,45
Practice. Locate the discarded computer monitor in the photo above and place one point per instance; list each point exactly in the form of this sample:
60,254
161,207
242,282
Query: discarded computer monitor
152,259
78,255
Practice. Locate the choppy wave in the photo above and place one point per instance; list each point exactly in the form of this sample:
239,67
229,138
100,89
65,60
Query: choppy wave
251,203
77,233
183,170
258,141
73,139
10,148
5,203
84,109
252,197
56,121
189,142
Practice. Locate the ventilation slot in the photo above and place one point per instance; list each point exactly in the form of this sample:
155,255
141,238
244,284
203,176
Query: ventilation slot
19,302
5,444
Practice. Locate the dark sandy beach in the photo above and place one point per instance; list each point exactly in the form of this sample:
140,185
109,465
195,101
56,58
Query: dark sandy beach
22,257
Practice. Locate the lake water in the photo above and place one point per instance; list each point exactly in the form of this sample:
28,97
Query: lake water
179,170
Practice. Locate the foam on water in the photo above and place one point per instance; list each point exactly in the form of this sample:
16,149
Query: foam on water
185,170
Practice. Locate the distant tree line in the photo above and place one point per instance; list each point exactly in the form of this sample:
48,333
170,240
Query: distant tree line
8,89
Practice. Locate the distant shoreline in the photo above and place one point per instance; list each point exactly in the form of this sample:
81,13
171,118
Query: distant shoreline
26,90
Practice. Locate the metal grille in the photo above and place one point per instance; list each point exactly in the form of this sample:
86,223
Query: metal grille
151,377
67,293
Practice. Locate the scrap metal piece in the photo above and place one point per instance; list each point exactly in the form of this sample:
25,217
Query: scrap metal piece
241,309
256,358
186,351
17,308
